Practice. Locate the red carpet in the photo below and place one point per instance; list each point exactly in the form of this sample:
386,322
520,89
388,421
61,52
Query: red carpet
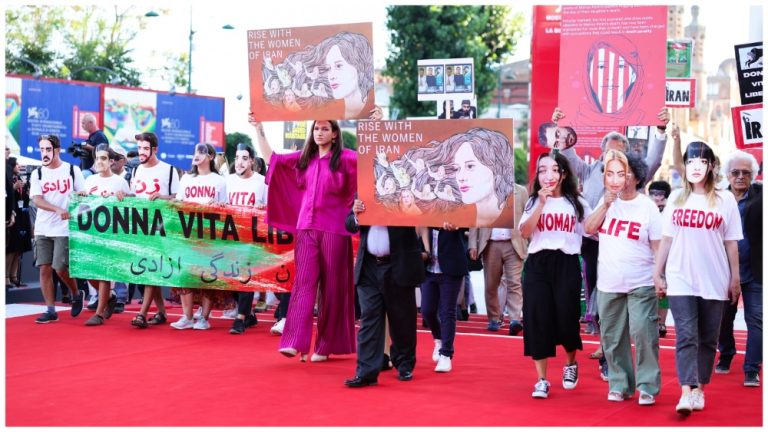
65,374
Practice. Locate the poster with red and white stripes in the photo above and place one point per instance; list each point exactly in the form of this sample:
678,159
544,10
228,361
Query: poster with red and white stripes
612,65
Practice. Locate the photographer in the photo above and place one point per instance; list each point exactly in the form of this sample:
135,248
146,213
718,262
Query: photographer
95,137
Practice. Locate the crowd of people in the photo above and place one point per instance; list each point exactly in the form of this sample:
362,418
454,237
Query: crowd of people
580,227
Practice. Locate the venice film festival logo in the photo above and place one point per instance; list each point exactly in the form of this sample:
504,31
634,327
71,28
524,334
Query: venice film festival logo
37,113
169,124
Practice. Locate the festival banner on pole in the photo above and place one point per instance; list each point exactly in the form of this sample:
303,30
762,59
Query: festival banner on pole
679,55
612,65
427,172
178,244
681,92
55,107
749,64
747,125
306,73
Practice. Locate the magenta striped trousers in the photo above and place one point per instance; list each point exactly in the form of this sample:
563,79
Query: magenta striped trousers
323,261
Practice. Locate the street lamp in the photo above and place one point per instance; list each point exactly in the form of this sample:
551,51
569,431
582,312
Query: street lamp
115,76
153,14
38,72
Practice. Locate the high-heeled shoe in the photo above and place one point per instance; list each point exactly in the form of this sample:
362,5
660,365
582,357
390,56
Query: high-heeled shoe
318,358
288,352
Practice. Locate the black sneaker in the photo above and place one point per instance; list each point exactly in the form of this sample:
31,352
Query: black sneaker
751,379
473,308
77,303
723,365
238,327
119,307
111,305
515,328
251,320
570,376
47,317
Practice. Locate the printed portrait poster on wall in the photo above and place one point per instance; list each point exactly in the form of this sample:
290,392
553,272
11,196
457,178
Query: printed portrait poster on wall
749,65
748,125
12,113
427,172
128,113
679,53
306,73
612,65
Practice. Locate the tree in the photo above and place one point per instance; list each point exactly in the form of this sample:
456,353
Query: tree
80,42
488,34
233,139
350,140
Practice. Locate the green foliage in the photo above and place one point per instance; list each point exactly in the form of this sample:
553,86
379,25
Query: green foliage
521,166
233,139
84,43
488,34
350,140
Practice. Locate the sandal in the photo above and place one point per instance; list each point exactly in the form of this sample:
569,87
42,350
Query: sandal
159,318
597,354
95,320
139,321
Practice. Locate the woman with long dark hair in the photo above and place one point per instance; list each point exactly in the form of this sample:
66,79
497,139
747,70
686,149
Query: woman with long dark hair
552,219
697,267
310,194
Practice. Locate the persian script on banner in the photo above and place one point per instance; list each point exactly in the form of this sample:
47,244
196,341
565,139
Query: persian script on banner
178,244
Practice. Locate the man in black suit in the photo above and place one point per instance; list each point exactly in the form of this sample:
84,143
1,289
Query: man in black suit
389,266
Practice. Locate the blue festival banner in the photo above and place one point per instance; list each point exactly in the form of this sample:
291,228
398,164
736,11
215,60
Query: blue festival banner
185,120
54,107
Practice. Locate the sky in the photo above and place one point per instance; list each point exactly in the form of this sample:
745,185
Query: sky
219,56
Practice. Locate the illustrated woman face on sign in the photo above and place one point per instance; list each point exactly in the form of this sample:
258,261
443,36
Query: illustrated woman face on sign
614,73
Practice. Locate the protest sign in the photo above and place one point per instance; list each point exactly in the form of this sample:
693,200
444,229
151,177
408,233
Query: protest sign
612,67
439,79
178,244
427,172
679,55
749,65
747,125
681,92
307,73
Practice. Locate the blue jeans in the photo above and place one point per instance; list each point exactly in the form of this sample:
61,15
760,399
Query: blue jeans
439,293
752,294
121,291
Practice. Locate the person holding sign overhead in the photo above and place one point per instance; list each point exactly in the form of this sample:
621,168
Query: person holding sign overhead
310,194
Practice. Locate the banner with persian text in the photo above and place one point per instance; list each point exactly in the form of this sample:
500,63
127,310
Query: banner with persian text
179,244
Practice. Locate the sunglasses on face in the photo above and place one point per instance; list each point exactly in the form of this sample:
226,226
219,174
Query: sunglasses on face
739,173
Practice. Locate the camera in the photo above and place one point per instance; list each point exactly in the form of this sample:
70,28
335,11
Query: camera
76,150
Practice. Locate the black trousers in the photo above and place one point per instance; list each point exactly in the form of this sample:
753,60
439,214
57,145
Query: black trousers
380,298
551,303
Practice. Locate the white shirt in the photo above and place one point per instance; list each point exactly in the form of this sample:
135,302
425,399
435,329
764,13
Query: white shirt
155,179
378,241
56,187
106,186
501,234
626,260
246,192
202,189
558,228
697,264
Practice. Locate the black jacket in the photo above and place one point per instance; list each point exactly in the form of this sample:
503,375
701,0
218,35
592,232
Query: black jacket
753,227
451,251
404,253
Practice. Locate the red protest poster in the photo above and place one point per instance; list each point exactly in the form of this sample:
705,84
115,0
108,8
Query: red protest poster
310,73
613,65
747,125
545,56
427,172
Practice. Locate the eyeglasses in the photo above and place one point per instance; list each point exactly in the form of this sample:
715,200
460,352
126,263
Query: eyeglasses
739,173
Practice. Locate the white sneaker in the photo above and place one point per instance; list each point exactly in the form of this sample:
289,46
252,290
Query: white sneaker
277,328
183,323
646,398
684,407
615,396
229,314
436,351
697,399
541,389
443,364
198,314
201,324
